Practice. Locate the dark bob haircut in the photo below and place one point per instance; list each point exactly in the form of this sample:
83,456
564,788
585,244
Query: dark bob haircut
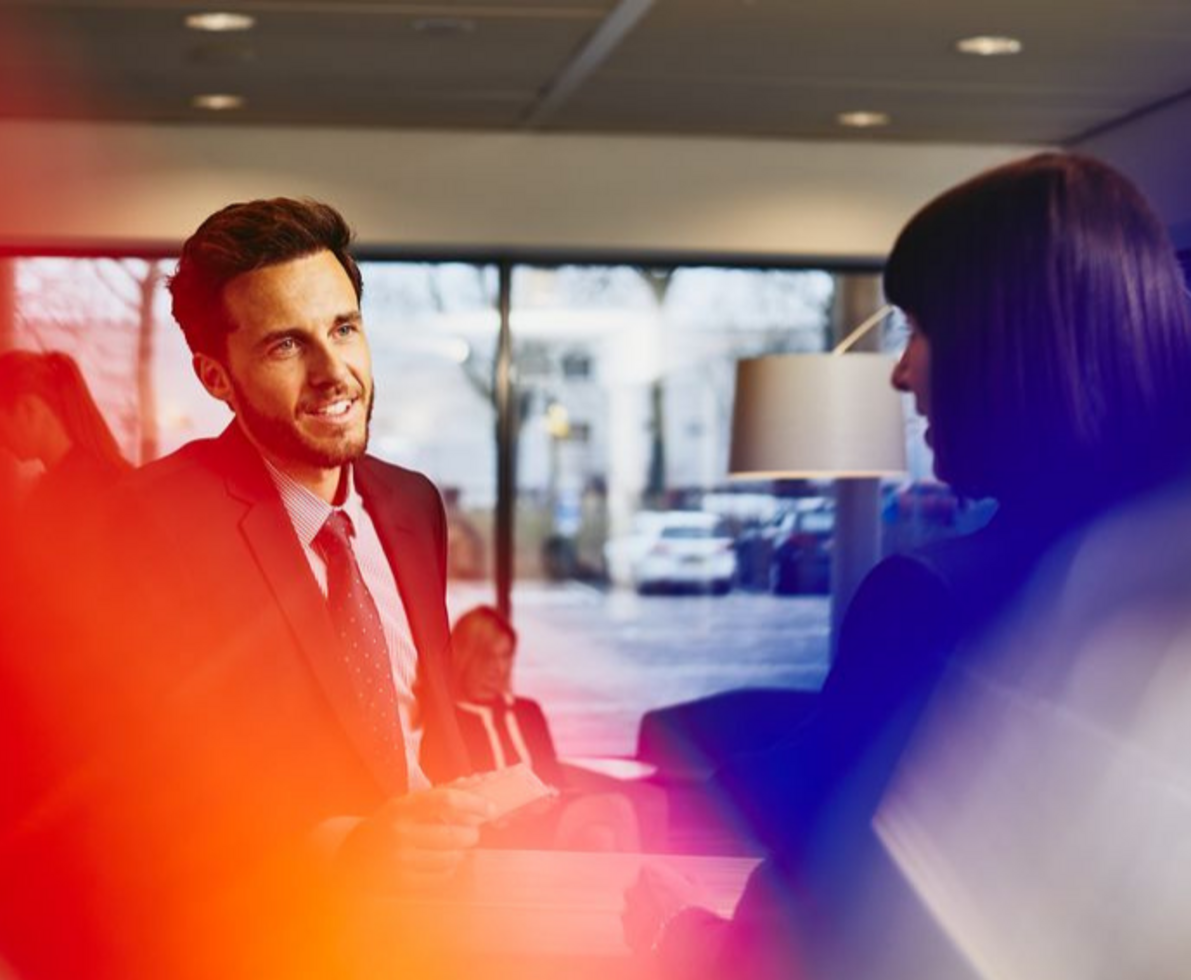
239,239
1059,330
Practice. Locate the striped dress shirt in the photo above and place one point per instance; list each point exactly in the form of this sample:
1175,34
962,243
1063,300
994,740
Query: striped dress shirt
307,513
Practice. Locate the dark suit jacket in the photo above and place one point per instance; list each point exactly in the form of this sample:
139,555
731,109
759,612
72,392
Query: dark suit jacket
828,903
216,730
252,629
531,722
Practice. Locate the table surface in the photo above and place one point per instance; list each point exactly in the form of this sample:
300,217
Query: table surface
552,906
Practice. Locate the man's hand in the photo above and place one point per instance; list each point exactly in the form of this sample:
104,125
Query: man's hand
415,840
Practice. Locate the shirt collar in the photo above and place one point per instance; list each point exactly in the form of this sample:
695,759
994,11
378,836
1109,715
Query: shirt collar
307,511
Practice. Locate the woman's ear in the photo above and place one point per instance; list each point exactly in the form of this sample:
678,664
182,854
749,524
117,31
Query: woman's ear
214,377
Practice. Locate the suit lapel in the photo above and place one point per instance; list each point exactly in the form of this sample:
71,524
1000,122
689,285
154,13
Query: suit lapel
413,543
274,545
413,561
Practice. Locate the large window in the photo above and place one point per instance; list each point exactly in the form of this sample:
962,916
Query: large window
640,574
633,587
433,329
108,314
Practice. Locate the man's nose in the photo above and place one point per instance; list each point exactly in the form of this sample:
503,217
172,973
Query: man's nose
327,365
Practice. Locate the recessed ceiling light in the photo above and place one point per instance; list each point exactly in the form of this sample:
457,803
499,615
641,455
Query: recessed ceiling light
988,45
862,119
220,20
218,101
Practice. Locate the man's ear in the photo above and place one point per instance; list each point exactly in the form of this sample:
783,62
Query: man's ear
214,377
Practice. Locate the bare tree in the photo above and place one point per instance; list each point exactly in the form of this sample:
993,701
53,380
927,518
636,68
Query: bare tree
659,281
81,306
133,284
8,302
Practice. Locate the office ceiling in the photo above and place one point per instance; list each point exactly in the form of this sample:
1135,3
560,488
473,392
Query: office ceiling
763,68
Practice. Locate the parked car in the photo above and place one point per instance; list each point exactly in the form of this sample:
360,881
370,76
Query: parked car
801,561
691,550
624,553
791,552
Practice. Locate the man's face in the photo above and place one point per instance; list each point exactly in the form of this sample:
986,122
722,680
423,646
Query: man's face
297,372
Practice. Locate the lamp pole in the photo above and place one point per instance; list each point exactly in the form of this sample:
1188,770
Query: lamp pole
856,545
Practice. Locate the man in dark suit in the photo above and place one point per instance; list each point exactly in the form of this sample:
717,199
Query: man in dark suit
283,690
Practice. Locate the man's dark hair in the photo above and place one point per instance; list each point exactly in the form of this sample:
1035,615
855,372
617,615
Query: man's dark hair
239,239
1059,330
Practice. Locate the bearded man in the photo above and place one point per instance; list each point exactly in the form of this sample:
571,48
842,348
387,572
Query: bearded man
286,627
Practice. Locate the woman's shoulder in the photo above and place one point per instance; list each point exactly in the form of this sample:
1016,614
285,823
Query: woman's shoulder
990,562
527,706
937,594
904,577
529,713
906,601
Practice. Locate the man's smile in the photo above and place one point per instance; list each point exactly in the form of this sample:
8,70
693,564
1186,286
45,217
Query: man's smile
332,411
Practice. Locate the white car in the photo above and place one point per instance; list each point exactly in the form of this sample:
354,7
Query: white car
688,550
623,554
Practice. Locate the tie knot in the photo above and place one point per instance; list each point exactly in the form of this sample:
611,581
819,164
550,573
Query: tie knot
337,530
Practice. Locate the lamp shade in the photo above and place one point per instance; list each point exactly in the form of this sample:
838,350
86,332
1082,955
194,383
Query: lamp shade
816,415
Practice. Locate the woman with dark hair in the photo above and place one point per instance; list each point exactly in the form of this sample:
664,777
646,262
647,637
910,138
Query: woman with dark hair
1049,350
1056,321
47,414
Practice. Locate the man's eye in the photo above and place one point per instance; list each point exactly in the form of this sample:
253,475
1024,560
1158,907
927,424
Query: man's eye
283,347
345,329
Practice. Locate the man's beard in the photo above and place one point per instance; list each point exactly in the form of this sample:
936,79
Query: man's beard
282,437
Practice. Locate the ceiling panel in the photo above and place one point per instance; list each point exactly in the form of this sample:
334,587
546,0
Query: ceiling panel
376,67
787,68
811,112
775,68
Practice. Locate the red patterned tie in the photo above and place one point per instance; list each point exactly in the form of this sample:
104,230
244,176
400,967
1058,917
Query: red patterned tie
363,639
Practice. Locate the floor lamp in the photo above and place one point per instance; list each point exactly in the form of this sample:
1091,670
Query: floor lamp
821,416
